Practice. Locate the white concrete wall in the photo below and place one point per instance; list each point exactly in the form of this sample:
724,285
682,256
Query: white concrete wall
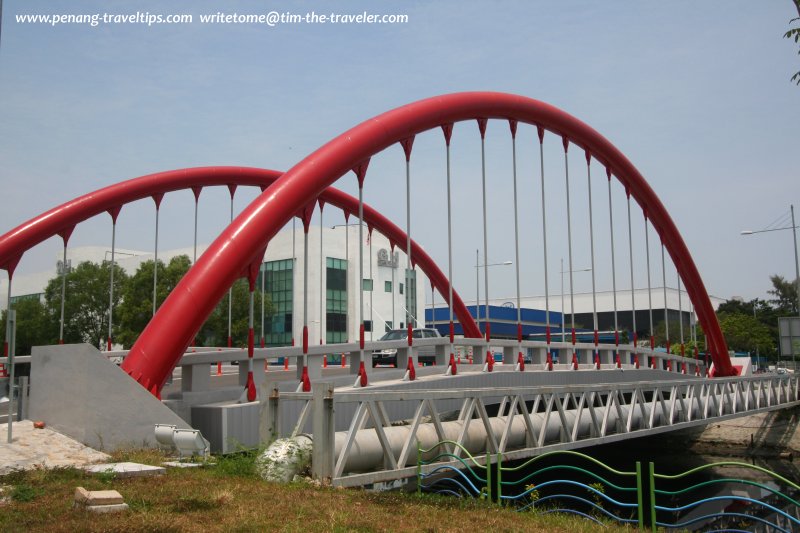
378,308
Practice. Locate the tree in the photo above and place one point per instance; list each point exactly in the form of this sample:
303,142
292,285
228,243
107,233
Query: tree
785,293
136,308
743,333
660,334
215,330
86,301
36,325
794,34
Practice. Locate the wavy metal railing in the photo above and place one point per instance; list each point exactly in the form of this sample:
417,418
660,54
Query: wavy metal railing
760,507
474,478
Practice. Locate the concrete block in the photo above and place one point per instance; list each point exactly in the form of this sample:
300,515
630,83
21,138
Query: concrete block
126,469
77,391
97,497
115,508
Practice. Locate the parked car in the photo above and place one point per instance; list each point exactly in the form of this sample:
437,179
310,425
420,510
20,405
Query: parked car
425,354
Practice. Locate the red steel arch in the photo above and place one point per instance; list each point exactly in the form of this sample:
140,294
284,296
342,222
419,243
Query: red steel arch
62,219
171,330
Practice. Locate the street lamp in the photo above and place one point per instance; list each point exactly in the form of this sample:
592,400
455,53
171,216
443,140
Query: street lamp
478,288
793,227
563,334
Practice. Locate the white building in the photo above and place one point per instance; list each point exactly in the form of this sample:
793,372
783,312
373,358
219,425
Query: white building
331,298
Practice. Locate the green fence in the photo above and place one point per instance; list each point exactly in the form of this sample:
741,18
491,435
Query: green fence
601,493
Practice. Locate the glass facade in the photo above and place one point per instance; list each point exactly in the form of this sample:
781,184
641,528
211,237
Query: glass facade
278,285
336,301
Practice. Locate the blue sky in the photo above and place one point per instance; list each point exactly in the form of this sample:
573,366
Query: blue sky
695,93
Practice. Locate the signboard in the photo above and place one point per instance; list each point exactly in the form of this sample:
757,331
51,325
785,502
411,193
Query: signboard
789,334
387,260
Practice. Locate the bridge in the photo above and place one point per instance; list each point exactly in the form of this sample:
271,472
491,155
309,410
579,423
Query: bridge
366,422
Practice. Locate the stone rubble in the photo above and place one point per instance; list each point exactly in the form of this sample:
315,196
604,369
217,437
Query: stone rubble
42,448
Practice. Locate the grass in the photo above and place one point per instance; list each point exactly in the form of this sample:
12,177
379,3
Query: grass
231,497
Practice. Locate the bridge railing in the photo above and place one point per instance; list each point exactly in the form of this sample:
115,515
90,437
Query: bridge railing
524,421
575,483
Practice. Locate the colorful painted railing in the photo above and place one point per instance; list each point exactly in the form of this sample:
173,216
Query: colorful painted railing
636,498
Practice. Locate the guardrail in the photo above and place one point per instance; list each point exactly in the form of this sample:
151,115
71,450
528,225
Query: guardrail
572,489
529,420
535,353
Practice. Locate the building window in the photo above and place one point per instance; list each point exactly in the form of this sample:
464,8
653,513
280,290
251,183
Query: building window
336,301
387,286
401,288
368,325
278,285
367,284
388,327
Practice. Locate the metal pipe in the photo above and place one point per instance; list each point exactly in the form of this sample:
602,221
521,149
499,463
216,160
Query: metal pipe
230,293
347,277
649,285
408,239
449,246
361,272
321,275
63,293
591,243
613,262
796,263
11,335
544,242
477,290
666,310
569,247
366,452
8,312
680,313
263,271
111,283
372,292
516,239
485,238
305,292
633,287
563,326
155,263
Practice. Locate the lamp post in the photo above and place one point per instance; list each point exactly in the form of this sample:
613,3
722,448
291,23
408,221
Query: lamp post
478,287
793,227
563,334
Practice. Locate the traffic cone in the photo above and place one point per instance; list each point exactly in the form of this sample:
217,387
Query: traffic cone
285,363
343,363
324,361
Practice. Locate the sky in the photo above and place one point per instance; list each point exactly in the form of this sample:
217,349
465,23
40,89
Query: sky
695,93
